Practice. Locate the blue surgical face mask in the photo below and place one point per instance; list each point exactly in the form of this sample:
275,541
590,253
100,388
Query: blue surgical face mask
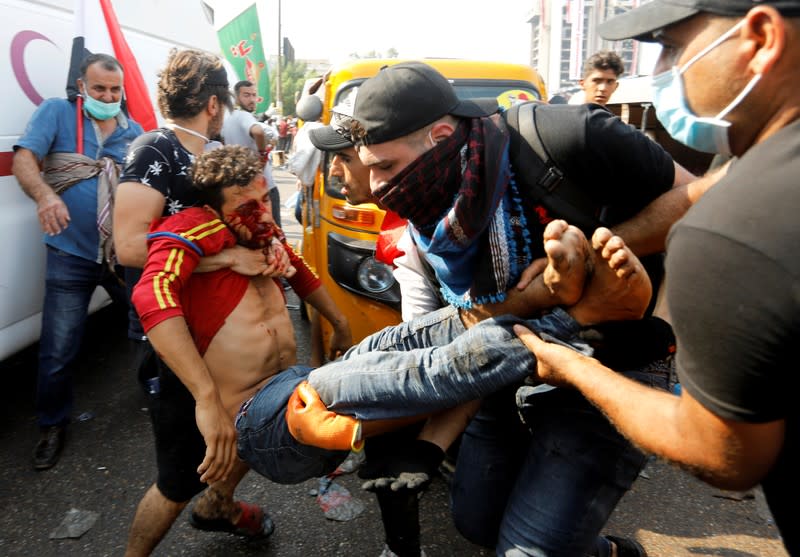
706,134
99,109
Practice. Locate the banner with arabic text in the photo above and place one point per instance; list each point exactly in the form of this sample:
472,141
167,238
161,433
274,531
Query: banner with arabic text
241,44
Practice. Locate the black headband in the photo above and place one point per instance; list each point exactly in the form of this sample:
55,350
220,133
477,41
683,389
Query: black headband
217,76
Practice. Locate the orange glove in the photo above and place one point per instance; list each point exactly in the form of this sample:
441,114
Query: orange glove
311,423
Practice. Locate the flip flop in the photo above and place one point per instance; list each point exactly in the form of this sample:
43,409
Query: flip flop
254,522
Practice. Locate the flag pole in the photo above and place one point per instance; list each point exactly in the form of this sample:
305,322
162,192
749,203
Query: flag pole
79,124
278,101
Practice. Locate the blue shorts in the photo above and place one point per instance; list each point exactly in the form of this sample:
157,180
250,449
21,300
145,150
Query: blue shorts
265,443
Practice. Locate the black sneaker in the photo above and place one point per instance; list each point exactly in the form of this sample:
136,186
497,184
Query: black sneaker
48,449
627,547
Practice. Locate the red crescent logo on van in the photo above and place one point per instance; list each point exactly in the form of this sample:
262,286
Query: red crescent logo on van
18,44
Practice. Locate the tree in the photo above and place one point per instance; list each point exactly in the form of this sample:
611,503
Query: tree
293,77
391,53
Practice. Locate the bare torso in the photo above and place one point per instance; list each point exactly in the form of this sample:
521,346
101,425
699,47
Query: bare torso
255,343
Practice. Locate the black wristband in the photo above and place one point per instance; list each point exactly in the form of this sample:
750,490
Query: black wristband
429,453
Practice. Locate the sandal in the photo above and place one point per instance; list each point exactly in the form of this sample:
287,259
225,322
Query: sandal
254,522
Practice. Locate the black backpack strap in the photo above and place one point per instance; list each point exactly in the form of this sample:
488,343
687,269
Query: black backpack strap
540,180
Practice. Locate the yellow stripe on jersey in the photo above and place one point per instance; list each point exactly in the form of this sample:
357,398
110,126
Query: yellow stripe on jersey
205,229
199,227
157,290
161,282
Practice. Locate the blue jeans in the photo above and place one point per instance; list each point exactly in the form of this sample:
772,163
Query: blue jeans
548,488
69,284
433,363
264,441
389,375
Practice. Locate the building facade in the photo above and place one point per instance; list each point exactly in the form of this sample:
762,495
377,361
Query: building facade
563,35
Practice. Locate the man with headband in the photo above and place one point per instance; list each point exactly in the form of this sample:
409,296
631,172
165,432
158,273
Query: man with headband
193,96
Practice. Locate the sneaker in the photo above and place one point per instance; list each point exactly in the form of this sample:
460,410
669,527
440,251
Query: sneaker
48,449
389,553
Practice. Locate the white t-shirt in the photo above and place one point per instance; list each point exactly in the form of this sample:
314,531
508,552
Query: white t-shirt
236,131
305,158
419,296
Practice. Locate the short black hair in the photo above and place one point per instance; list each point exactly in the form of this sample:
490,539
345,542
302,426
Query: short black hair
604,60
240,84
106,61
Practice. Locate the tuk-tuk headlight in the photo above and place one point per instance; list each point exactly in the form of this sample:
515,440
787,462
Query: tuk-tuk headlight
374,276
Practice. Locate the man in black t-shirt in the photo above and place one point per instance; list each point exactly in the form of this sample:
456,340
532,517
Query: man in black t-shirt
732,262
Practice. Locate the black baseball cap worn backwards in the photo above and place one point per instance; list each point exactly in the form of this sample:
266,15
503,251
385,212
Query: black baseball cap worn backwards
642,22
406,97
335,136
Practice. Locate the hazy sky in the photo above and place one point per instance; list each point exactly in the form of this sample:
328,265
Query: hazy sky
332,29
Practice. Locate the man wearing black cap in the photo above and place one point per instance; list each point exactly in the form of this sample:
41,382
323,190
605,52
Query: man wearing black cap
444,164
726,82
346,167
399,510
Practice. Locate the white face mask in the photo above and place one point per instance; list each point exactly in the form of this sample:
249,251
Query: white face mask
709,135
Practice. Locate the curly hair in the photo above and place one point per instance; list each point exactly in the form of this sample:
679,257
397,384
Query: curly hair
189,80
604,60
223,167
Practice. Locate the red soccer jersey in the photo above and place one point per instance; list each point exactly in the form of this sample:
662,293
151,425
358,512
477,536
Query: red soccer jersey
169,288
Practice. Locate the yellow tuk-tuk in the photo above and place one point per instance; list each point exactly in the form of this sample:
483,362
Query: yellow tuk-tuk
339,239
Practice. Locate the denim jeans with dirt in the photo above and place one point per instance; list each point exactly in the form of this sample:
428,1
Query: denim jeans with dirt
419,367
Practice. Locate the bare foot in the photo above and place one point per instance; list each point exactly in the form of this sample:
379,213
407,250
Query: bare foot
213,504
569,262
619,288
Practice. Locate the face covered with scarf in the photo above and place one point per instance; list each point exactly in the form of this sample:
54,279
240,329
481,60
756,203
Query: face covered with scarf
456,195
451,174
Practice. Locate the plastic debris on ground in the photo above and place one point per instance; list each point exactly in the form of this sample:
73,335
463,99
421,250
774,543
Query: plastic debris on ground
335,500
86,416
75,524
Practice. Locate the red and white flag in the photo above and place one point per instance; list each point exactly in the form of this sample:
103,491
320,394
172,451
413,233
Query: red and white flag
97,31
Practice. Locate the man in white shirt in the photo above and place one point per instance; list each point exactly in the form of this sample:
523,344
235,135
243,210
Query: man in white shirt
242,128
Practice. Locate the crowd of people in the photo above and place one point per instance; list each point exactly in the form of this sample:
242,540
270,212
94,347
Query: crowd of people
527,342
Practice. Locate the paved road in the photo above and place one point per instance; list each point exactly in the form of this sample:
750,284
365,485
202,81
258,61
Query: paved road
108,464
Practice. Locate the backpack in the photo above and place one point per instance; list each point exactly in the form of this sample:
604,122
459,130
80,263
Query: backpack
542,181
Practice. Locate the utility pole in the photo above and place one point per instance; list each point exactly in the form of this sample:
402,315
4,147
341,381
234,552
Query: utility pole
278,96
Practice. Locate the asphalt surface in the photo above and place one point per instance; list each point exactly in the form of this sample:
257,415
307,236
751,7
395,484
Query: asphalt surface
108,464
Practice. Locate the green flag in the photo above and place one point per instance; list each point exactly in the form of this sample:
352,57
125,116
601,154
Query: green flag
240,40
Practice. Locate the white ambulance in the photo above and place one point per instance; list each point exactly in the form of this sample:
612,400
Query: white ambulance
35,43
